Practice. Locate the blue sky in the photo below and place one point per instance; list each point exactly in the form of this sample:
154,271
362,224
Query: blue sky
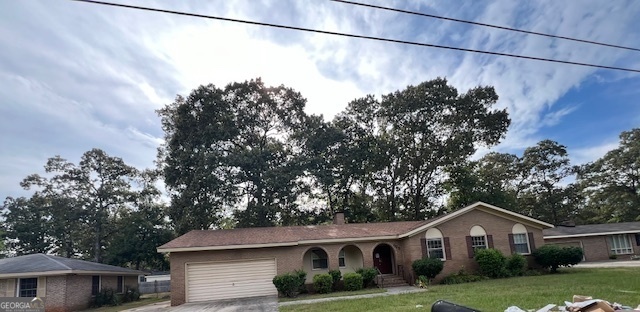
75,76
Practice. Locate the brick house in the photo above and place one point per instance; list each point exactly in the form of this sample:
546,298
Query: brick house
598,241
66,284
225,264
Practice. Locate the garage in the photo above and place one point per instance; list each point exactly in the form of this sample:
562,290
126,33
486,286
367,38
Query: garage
230,279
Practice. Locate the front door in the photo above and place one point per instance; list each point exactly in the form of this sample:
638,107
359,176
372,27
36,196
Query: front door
382,259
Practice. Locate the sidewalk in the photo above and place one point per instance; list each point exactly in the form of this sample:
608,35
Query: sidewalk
390,291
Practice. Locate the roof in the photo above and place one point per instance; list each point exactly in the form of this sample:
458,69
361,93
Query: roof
199,240
41,264
592,230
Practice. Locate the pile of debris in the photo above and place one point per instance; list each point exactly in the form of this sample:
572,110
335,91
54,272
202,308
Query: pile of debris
580,304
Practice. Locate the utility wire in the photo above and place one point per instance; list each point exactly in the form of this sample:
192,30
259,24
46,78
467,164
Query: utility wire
483,24
354,36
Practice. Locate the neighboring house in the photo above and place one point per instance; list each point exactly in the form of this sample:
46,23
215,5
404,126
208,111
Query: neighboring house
66,284
157,277
224,264
598,241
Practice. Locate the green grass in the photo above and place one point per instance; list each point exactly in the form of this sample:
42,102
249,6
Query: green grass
335,294
129,305
532,292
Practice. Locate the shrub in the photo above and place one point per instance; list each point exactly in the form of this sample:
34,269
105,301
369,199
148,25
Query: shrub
427,267
516,264
336,275
461,277
105,297
491,262
130,294
552,257
322,283
302,276
352,281
613,256
287,284
422,281
368,275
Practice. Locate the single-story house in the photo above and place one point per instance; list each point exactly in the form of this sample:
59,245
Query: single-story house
225,264
598,241
66,284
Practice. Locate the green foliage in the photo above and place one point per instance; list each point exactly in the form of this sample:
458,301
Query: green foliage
552,257
491,262
428,267
106,297
613,256
130,294
302,279
288,284
352,281
422,281
322,283
368,275
461,277
516,265
336,275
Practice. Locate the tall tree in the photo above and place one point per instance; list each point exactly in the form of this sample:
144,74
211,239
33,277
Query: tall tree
26,222
232,147
612,183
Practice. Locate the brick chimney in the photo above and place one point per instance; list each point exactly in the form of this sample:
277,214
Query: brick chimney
338,218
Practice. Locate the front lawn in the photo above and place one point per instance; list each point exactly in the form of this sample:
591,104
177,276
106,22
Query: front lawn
335,294
532,292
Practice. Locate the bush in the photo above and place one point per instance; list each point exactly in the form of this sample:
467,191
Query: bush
287,284
552,257
491,262
130,295
302,276
352,281
427,267
516,264
106,297
368,275
462,277
613,256
422,281
322,283
336,275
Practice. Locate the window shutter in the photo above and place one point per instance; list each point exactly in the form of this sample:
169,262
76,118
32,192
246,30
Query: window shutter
469,246
42,286
512,245
423,244
489,241
11,288
532,242
637,239
447,249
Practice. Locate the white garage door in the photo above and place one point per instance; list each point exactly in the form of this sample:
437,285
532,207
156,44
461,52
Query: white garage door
232,279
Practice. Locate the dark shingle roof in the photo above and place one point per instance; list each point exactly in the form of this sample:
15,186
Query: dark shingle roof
289,234
593,229
48,263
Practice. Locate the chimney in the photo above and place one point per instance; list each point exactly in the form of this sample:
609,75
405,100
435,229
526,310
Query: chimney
338,218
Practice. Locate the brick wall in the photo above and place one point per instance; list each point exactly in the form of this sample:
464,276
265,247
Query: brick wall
55,298
596,248
78,292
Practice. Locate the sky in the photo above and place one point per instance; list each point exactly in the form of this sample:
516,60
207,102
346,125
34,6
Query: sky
76,76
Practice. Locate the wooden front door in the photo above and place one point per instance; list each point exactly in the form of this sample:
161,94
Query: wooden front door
383,259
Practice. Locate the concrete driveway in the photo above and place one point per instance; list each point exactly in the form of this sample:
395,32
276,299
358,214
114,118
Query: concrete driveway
609,264
254,304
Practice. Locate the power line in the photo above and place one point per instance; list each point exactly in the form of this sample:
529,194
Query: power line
354,36
485,25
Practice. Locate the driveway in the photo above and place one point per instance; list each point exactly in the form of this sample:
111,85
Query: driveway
254,304
609,264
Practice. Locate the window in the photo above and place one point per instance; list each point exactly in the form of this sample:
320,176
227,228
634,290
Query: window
620,244
520,239
120,287
435,249
341,261
478,242
28,287
95,285
319,259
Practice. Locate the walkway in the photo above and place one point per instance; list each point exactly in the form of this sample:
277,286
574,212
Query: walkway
609,264
390,291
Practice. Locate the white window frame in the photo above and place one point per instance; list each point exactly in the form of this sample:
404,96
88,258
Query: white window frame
341,255
526,243
429,249
476,246
618,249
18,290
314,256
